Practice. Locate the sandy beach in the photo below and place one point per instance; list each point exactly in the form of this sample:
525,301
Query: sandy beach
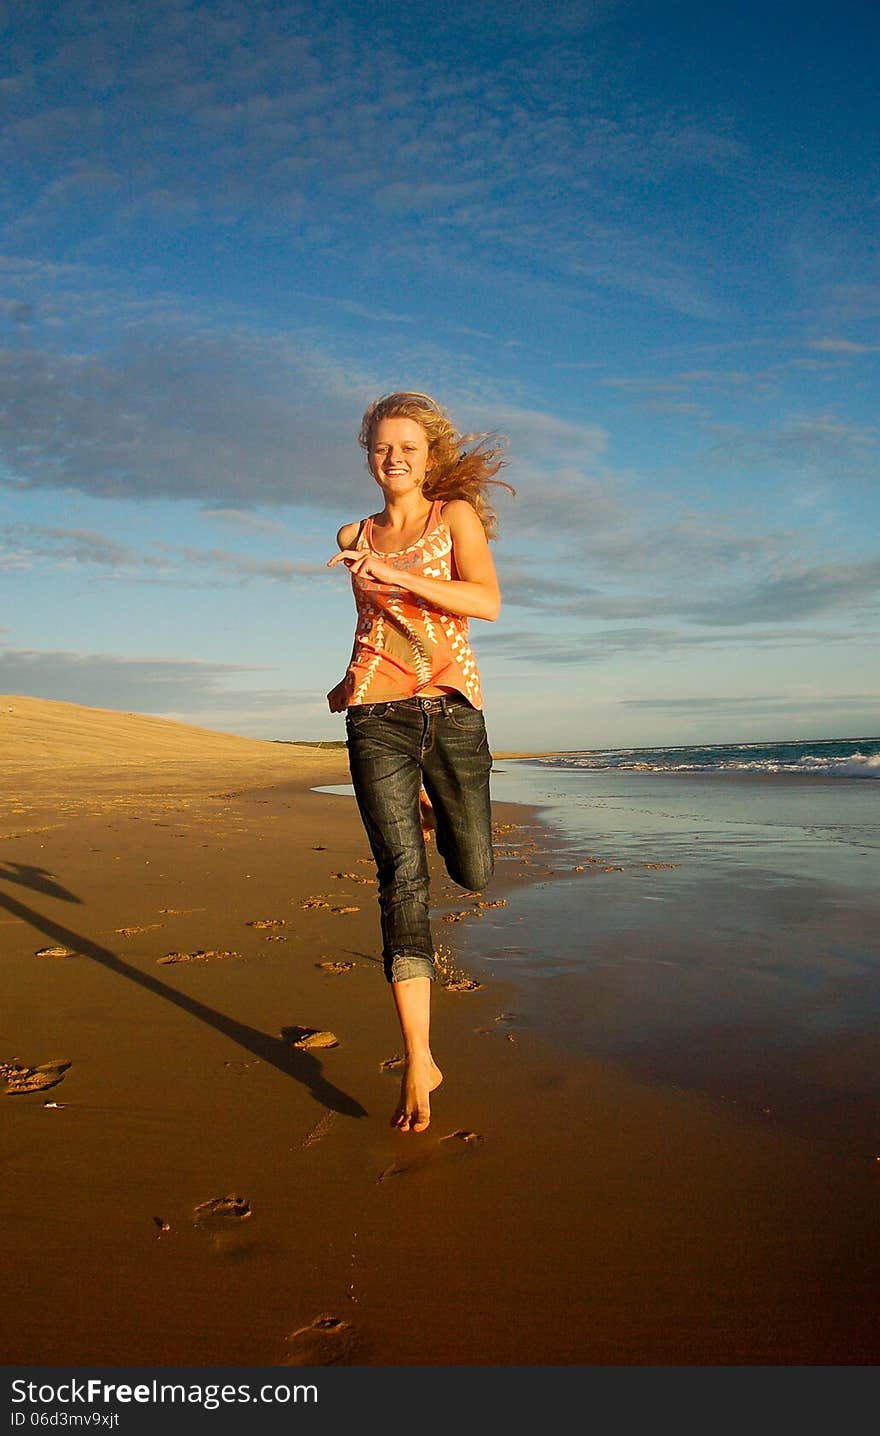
187,1181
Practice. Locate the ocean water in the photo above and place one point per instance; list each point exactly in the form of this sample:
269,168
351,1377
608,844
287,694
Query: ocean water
831,757
707,916
801,810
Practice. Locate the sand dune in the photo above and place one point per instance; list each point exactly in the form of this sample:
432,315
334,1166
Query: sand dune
46,741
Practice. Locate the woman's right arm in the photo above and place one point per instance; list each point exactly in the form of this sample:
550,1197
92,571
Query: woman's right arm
336,698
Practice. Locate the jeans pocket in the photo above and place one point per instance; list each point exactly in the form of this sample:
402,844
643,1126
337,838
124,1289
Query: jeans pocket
466,718
360,713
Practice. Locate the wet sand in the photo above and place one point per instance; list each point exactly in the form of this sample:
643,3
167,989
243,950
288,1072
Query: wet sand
194,1189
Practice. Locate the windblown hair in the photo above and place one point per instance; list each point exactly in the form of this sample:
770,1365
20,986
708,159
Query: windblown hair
460,466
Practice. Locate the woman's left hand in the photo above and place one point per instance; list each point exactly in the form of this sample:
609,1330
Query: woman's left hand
365,564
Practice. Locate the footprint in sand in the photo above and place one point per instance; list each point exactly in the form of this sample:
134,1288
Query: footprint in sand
502,1026
201,955
21,1078
345,909
135,929
57,951
452,1145
307,1037
320,1130
330,965
326,1341
238,1066
313,902
221,1213
392,1064
261,922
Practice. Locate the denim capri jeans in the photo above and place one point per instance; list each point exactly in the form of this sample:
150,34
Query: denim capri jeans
395,749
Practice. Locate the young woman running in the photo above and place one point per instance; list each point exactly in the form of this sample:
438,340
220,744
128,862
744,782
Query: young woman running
417,746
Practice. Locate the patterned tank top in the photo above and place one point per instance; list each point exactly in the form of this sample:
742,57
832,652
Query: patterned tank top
403,643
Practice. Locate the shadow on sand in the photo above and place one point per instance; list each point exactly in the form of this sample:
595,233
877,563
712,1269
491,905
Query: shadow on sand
295,1063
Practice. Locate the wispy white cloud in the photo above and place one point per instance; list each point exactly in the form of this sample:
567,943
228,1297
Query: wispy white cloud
850,301
75,546
289,115
691,389
233,420
600,642
800,593
786,594
756,702
846,347
149,685
243,519
154,401
12,560
163,562
244,566
837,447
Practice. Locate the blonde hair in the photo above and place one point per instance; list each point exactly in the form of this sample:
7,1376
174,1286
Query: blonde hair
460,466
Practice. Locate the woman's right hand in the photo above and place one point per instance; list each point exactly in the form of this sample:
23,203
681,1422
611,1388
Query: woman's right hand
363,563
337,696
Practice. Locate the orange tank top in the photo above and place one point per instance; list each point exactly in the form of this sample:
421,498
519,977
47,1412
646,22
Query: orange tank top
403,643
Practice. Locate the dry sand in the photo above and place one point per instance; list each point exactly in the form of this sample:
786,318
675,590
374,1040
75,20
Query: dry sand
195,1190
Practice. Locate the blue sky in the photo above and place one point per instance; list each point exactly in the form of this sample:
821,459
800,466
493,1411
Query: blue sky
638,239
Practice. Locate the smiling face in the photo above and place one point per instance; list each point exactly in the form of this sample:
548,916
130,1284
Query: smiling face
399,455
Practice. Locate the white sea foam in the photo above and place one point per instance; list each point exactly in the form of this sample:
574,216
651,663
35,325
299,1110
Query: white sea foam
851,765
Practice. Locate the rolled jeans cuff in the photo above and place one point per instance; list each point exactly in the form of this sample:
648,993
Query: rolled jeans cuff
401,966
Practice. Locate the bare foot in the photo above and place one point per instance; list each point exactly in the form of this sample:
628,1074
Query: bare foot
426,812
413,1111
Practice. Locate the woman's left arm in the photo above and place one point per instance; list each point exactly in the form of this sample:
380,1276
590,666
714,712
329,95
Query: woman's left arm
473,594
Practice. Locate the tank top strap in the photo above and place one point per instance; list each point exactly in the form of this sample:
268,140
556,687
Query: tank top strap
435,518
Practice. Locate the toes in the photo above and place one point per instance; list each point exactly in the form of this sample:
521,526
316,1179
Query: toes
415,1121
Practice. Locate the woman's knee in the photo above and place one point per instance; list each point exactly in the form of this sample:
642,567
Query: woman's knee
472,870
403,872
